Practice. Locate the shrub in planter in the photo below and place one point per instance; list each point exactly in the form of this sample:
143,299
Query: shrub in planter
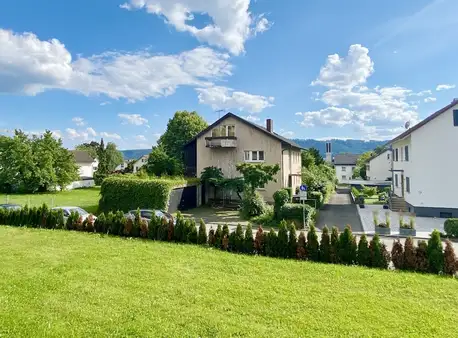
334,254
450,261
282,241
292,241
211,237
259,241
202,236
271,244
281,197
435,253
301,252
252,204
397,254
407,229
325,246
313,249
421,253
218,236
451,227
248,240
347,249
410,256
363,254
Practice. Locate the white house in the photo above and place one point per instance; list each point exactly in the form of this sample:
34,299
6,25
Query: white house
138,164
378,167
86,164
425,164
345,165
122,166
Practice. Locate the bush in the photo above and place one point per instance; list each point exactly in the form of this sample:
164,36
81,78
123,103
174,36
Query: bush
369,191
386,257
312,246
202,237
292,241
355,192
364,254
435,253
192,234
451,227
375,248
334,245
282,241
360,199
225,231
179,228
301,252
218,236
225,243
271,244
248,240
259,241
290,194
421,257
410,257
397,254
281,197
318,197
170,232
347,248
252,204
294,212
267,219
238,239
325,246
450,262
128,194
211,237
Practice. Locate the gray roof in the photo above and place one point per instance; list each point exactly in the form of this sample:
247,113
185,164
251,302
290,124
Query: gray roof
282,139
345,159
82,156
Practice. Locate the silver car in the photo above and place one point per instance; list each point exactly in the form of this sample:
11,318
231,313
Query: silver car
10,206
68,210
148,215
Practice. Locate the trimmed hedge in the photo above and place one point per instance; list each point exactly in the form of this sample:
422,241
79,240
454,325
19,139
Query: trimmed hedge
130,193
451,227
318,197
294,212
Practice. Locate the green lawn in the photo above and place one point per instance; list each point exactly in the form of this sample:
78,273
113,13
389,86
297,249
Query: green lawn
87,199
61,283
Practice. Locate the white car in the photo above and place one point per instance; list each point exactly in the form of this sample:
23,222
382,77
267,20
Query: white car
68,210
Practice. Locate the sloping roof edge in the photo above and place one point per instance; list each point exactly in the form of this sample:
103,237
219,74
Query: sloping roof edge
377,155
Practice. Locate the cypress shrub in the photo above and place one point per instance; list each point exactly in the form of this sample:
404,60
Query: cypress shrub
24,215
144,228
43,215
137,224
435,253
248,241
34,217
421,253
111,225
375,248
292,241
211,237
364,254
60,219
301,252
313,250
397,253
325,246
225,243
386,257
153,227
410,256
239,239
100,225
202,236
163,230
178,231
450,261
128,226
225,231
171,231
334,245
89,226
259,241
282,240
271,244
232,245
218,236
192,235
347,250
186,229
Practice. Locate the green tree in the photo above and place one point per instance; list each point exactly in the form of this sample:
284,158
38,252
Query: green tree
360,169
181,129
159,163
311,156
312,246
325,245
435,253
257,175
364,254
110,154
91,147
113,156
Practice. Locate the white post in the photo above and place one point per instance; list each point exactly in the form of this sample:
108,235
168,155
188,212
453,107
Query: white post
303,214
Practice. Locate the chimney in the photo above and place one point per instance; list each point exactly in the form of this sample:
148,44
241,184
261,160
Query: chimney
270,125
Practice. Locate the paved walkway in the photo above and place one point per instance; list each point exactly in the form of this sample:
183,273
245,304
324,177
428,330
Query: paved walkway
340,212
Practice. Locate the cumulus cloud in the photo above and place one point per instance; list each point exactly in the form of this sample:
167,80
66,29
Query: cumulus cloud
232,23
135,119
330,116
80,135
219,97
79,121
140,138
252,118
91,131
445,87
110,135
286,133
430,99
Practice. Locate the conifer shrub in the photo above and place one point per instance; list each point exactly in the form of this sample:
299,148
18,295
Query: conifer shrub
435,253
375,247
410,256
292,241
218,236
450,261
60,219
386,257
170,231
143,228
90,223
397,254
225,243
153,227
179,227
347,249
259,241
192,235
248,240
24,215
128,226
225,231
111,226
232,245
239,239
271,244
313,249
211,237
44,210
325,246
421,253
163,230
334,245
364,254
282,240
301,252
202,236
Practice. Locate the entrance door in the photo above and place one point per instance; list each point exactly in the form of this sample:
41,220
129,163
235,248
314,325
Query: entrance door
402,185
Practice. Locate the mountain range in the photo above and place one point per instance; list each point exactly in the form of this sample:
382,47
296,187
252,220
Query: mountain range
338,146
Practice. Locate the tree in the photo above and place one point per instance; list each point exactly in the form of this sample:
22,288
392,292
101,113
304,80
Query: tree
360,169
364,254
111,156
435,253
159,163
90,147
257,175
181,129
325,245
312,246
379,149
311,156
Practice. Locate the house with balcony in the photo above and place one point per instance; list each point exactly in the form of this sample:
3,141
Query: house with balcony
232,140
425,166
345,164
378,166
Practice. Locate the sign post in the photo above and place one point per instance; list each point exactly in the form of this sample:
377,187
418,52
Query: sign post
303,198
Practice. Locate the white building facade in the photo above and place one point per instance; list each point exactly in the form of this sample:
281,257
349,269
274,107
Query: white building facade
140,163
345,165
378,167
425,165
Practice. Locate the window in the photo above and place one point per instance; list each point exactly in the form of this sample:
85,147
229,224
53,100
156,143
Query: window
254,156
408,184
402,154
388,156
344,168
231,131
223,131
368,167
396,154
406,153
261,156
344,178
455,117
247,155
396,183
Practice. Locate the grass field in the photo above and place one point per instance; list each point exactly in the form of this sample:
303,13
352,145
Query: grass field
87,199
60,283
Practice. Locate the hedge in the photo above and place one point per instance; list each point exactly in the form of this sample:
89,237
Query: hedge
130,193
341,248
294,211
318,197
451,227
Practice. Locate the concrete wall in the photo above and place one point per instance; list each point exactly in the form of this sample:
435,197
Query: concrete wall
344,170
380,167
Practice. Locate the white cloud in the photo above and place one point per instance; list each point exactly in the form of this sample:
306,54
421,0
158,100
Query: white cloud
140,138
56,133
232,23
445,87
286,133
330,116
105,103
423,93
430,99
219,97
109,135
81,135
79,121
135,119
252,118
91,131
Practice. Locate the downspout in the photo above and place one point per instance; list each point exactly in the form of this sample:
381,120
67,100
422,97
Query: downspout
281,167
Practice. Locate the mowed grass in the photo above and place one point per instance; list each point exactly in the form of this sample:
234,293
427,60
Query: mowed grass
61,283
87,198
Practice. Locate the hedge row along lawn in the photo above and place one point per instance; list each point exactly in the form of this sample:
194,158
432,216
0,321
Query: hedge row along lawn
87,198
60,283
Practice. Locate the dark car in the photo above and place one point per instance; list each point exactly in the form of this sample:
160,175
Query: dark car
10,206
148,214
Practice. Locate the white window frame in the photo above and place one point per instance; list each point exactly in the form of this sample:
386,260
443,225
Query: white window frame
250,156
224,127
344,169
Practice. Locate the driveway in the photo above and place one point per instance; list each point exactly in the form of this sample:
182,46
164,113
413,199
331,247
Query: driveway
340,212
215,216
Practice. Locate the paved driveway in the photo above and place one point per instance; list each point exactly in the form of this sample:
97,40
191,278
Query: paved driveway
340,212
215,216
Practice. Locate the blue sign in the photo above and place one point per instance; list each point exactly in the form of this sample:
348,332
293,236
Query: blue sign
303,187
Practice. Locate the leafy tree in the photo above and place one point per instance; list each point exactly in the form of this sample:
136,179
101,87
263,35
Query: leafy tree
91,147
159,163
325,246
360,168
112,156
181,129
311,157
257,175
379,149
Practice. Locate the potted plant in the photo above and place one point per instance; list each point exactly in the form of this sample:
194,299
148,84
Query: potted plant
360,201
384,227
407,229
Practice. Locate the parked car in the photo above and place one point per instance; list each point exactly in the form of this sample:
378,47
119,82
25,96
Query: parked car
68,210
148,214
10,206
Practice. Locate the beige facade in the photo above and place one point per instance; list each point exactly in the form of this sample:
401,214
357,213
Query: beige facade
247,143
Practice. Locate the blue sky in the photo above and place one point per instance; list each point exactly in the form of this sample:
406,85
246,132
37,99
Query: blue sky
320,69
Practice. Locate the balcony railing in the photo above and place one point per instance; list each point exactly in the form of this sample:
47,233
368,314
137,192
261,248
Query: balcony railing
221,142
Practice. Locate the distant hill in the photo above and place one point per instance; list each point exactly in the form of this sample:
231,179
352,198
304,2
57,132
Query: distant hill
338,146
341,146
